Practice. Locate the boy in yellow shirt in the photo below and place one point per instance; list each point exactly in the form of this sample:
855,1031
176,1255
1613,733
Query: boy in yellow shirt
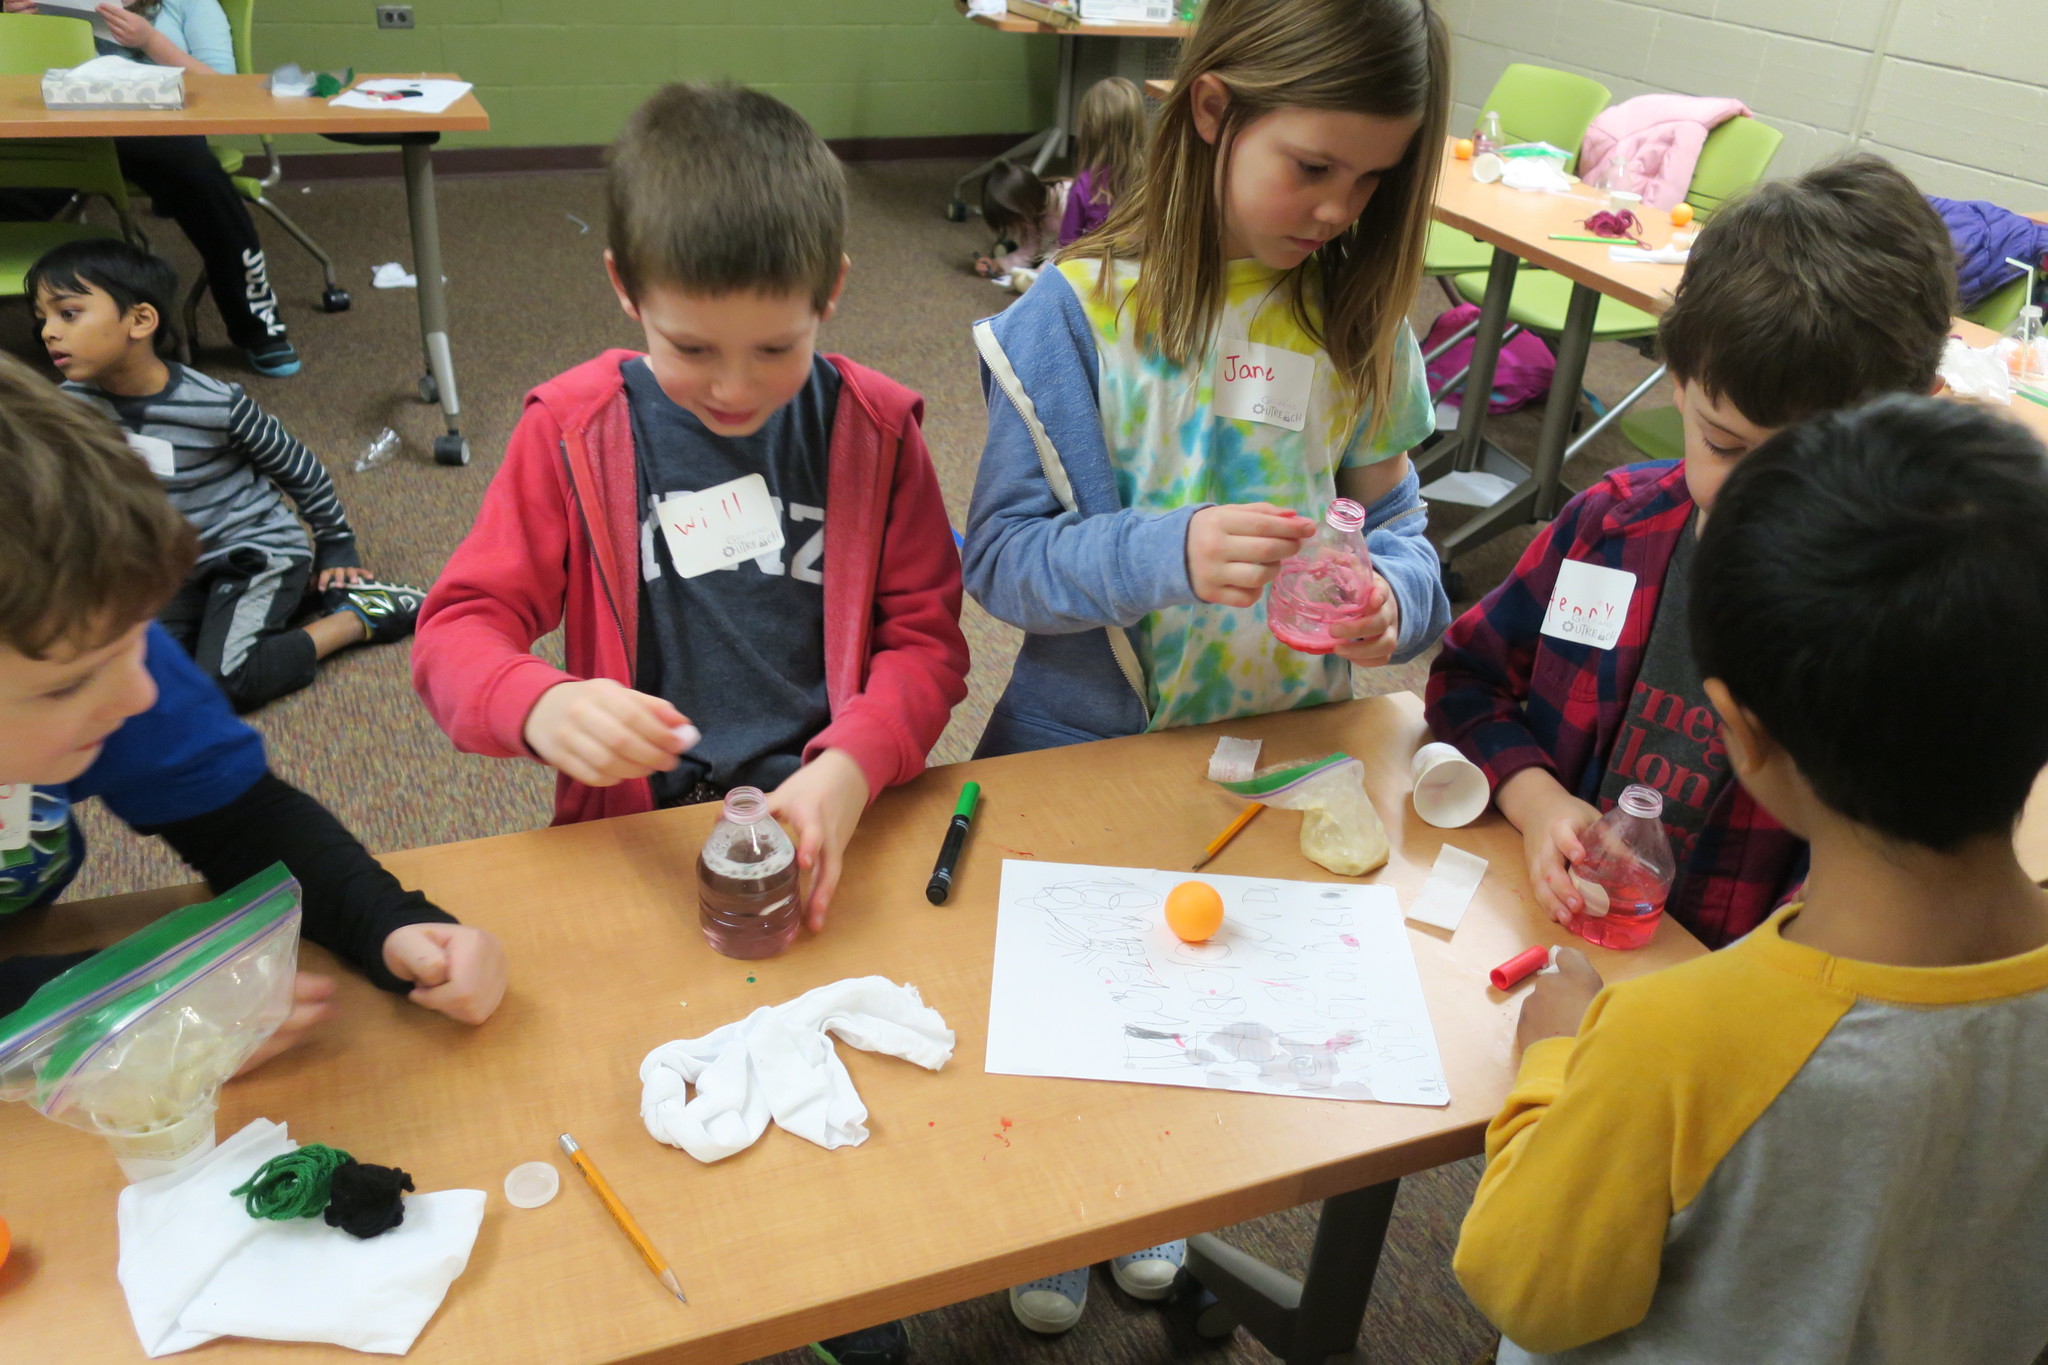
1828,1142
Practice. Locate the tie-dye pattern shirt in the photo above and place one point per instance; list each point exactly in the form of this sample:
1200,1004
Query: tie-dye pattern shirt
1206,662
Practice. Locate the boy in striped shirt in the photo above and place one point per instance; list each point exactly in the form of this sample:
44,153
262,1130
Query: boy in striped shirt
228,467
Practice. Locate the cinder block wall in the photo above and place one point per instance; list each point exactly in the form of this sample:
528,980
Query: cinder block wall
1952,90
563,73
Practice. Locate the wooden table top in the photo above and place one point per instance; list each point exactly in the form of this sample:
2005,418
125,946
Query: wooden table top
223,106
1012,22
1522,223
970,1183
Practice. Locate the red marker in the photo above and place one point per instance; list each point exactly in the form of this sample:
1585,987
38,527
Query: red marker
1519,967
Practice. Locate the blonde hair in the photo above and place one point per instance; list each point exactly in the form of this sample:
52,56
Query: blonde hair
1109,136
1383,58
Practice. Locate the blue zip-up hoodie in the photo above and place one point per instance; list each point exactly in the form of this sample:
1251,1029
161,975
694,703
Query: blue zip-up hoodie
1052,550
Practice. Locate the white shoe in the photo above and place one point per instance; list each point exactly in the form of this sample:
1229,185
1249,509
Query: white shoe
1052,1305
1149,1274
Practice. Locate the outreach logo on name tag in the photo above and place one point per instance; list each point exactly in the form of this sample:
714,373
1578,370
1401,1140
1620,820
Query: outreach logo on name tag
1258,383
1589,605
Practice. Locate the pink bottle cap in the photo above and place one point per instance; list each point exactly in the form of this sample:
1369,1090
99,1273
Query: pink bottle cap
1522,965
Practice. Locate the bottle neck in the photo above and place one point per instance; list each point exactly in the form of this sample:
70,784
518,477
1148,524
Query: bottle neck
745,805
1345,516
1643,802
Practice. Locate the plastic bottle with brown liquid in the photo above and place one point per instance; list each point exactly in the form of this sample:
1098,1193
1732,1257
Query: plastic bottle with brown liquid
747,897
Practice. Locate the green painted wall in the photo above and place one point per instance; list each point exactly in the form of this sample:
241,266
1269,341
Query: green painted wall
854,68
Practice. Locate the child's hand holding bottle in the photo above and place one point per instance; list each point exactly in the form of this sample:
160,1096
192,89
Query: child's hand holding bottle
1370,640
601,733
1235,549
1551,820
820,804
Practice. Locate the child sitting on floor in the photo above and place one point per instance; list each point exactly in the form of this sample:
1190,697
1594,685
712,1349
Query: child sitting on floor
1802,297
1828,1142
1109,151
97,701
1023,213
228,466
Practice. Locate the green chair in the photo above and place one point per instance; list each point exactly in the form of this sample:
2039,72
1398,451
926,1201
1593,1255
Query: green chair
31,44
1535,104
333,298
1998,308
1735,157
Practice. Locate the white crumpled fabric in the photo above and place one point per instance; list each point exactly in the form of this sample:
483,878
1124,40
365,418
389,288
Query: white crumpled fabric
779,1063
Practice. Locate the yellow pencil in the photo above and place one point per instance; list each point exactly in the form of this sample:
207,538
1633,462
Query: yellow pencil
1216,844
624,1219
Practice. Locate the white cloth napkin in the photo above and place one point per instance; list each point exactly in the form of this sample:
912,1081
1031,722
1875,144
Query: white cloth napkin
779,1063
196,1266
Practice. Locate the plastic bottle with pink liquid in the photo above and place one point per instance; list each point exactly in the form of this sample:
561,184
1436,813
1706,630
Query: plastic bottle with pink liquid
1626,873
1328,582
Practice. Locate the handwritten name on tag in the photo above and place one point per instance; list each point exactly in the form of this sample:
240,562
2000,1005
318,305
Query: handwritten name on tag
719,527
1258,383
1589,605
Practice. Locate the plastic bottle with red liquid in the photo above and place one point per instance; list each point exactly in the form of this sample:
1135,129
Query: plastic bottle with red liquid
1328,582
1626,873
747,901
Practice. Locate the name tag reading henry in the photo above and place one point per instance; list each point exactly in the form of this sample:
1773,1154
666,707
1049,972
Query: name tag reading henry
719,527
1258,383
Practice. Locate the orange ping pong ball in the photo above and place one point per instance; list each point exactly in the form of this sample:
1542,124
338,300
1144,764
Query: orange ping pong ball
1194,911
1462,149
1681,213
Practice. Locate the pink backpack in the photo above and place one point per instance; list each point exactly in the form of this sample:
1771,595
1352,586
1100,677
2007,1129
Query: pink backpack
1521,377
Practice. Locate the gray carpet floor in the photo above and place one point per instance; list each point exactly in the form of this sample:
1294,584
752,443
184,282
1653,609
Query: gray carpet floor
528,298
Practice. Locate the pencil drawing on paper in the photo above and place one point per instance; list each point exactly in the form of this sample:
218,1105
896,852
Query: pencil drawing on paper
1308,988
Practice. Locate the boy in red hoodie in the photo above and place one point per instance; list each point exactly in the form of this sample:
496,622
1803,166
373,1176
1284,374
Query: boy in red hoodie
738,534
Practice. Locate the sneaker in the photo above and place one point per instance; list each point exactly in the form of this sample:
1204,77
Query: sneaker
275,359
888,1344
388,610
1149,1274
1052,1305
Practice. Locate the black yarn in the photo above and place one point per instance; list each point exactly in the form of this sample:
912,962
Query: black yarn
364,1200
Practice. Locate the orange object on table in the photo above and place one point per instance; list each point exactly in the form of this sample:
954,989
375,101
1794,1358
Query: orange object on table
1462,149
6,1242
1681,213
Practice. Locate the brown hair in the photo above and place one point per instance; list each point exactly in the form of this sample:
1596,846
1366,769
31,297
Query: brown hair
715,189
89,543
1013,201
1109,136
1384,58
1804,296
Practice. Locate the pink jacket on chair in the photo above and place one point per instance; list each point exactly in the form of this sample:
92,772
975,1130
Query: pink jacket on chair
1659,138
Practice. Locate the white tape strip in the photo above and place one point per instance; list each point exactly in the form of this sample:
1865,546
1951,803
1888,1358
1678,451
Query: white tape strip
1448,891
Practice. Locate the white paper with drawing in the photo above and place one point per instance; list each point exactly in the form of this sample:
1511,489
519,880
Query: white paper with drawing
1309,988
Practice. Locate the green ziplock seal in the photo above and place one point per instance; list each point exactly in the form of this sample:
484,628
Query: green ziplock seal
1267,783
195,926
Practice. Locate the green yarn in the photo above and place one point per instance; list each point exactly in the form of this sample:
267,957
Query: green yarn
294,1185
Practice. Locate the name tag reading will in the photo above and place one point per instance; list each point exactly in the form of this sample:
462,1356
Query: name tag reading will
719,527
161,455
1589,605
17,801
1270,384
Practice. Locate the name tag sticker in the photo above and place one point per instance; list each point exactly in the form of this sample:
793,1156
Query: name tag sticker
161,455
1269,384
1589,605
16,802
720,527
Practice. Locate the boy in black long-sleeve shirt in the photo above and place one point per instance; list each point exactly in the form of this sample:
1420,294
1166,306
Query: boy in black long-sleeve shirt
97,700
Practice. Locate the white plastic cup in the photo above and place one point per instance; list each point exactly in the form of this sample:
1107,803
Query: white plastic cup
144,1156
1450,791
1625,201
1487,168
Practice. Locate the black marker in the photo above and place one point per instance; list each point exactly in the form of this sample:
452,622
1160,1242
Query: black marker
949,852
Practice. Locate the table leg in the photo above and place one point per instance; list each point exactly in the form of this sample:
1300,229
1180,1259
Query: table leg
433,298
1314,1321
1572,347
1055,143
1486,344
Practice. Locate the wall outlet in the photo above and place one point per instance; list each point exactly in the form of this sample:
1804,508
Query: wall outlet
394,16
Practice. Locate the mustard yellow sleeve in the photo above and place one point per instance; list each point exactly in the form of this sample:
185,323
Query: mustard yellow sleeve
1605,1136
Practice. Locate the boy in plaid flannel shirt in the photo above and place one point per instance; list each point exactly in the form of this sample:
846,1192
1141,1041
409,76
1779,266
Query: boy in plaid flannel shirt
1802,297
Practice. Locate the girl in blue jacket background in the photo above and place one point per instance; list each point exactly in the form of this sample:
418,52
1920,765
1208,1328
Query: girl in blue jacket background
1173,405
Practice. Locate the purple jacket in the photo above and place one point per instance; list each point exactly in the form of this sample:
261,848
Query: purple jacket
1084,214
1985,236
